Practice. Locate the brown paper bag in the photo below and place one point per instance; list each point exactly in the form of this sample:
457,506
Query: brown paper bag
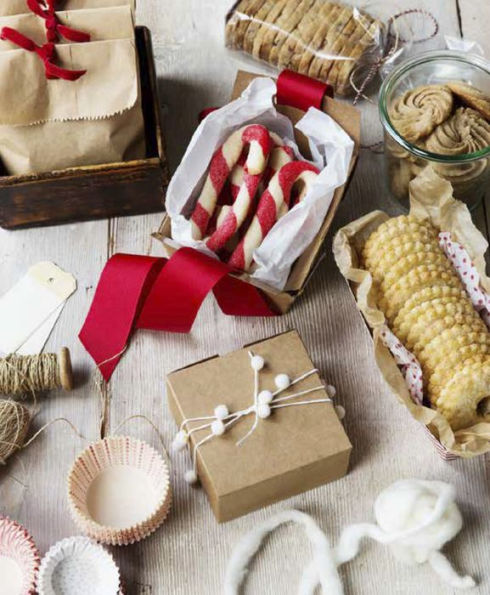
11,7
48,125
430,199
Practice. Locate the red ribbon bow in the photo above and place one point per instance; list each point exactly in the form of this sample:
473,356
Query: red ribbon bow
159,294
53,26
46,52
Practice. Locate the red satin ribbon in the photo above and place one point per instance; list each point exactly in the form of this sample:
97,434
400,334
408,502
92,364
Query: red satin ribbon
159,294
301,91
53,26
46,52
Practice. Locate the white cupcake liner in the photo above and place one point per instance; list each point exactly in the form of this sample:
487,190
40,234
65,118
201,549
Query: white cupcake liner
96,493
77,566
17,544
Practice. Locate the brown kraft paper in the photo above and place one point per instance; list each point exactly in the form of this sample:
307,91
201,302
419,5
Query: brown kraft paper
11,7
296,449
49,125
430,199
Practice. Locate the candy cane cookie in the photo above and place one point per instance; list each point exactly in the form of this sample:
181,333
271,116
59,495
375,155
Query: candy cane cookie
259,143
273,203
244,189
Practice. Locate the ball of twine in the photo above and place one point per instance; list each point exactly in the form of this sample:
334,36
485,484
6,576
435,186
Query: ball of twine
15,419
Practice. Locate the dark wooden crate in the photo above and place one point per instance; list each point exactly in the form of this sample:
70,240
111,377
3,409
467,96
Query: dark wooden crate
99,191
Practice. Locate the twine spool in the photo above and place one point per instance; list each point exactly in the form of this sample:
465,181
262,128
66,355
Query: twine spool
21,374
14,425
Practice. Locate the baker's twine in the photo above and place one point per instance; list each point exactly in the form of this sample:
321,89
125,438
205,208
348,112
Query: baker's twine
22,374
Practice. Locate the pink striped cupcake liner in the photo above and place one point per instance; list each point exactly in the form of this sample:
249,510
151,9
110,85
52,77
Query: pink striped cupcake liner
119,490
19,559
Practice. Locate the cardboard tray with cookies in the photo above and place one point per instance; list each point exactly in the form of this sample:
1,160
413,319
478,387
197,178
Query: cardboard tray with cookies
419,281
259,186
321,39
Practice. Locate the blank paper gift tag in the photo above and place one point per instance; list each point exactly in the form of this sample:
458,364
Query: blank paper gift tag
29,311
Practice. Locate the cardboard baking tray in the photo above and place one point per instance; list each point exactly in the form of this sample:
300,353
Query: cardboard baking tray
99,191
349,118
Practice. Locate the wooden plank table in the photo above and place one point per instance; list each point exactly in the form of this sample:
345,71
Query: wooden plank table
189,553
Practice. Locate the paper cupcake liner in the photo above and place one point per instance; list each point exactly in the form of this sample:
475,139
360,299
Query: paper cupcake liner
96,493
77,565
17,544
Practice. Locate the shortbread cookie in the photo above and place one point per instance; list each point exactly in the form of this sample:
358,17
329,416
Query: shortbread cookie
257,21
426,295
324,53
286,25
388,242
421,317
448,342
299,35
428,334
381,263
405,264
260,44
323,34
466,131
472,97
239,22
418,278
418,111
465,400
335,50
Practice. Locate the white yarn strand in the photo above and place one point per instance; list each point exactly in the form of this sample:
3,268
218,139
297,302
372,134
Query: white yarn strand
398,510
322,554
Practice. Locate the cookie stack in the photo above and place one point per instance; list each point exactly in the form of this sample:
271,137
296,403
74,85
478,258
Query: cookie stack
321,39
427,308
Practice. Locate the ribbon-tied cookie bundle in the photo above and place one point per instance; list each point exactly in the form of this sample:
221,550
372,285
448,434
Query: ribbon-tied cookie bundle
324,40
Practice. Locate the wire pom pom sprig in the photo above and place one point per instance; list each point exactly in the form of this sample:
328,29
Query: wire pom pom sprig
264,402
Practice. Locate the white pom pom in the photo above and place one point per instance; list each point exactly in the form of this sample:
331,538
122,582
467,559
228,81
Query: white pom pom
282,381
221,412
263,411
190,476
218,427
331,392
257,362
340,411
265,397
180,441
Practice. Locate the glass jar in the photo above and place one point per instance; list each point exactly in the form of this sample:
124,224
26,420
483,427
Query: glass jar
469,173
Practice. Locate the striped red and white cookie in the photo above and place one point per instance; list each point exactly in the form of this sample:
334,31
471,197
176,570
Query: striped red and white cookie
273,204
259,143
244,189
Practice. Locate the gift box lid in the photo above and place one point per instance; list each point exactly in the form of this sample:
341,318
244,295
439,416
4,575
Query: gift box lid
293,450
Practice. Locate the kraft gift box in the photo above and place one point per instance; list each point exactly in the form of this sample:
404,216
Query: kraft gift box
294,450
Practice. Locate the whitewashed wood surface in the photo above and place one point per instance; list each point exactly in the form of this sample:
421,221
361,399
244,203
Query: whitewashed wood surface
188,554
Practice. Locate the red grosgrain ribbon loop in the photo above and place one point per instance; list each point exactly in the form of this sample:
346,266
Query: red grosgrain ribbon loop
46,52
303,92
53,26
159,294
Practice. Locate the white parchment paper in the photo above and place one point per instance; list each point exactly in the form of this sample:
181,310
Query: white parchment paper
331,150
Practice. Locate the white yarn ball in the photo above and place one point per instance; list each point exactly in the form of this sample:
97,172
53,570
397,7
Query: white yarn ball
190,476
257,362
406,504
263,410
218,427
331,391
265,397
221,412
282,381
180,441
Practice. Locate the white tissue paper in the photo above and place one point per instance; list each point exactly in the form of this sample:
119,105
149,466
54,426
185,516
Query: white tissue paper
331,149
